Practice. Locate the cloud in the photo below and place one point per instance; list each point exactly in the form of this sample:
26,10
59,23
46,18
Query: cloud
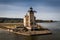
46,9
11,10
48,12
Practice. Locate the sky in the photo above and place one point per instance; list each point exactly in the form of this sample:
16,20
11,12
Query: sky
46,9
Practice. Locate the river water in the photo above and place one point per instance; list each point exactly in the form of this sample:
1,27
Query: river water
54,27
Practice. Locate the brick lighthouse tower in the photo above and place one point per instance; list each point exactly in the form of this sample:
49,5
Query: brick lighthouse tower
29,19
32,22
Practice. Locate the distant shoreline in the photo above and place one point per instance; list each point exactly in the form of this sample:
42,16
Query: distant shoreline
20,20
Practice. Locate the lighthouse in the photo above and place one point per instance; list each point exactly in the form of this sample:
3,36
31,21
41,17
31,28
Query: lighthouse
29,19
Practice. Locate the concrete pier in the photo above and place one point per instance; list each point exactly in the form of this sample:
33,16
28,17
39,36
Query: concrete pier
31,33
